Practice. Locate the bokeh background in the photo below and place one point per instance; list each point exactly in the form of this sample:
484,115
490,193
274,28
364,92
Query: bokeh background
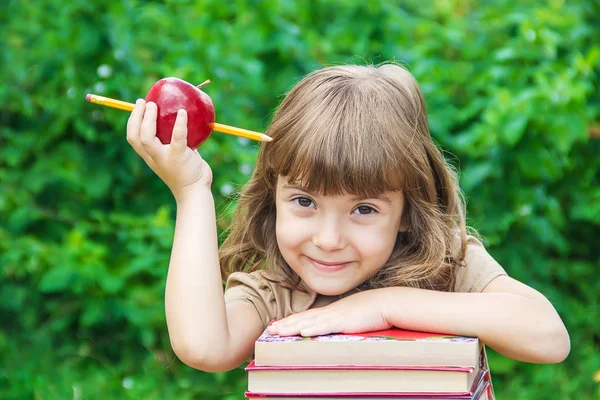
512,89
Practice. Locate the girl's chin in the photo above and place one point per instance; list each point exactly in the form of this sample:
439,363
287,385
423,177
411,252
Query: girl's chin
329,289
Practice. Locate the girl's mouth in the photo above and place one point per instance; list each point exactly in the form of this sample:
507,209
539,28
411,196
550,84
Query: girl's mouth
329,266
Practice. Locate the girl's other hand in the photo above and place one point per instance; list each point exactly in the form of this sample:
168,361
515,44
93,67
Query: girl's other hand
180,167
360,312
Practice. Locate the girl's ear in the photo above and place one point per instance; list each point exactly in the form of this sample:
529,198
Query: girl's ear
403,227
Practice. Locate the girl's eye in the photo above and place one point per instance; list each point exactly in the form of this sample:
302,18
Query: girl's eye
364,210
304,201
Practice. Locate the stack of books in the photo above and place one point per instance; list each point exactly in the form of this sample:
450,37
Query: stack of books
384,365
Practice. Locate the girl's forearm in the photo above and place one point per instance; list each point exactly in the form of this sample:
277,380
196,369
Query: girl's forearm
195,308
519,327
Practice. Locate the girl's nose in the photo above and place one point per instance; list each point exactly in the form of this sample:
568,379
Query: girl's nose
328,235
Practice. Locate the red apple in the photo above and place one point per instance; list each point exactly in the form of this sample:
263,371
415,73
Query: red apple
173,94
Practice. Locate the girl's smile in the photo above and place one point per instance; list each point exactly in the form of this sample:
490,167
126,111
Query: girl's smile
335,242
329,266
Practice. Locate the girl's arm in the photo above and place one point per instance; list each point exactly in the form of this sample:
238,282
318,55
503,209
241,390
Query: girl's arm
510,317
203,333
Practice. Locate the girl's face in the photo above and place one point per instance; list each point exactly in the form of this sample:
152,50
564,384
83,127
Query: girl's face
335,243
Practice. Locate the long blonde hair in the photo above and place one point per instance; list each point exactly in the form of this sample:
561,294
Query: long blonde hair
360,130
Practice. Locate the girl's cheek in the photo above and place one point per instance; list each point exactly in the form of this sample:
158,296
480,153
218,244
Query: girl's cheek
293,218
375,242
290,231
289,228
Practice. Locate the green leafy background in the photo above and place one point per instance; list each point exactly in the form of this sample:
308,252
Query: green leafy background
85,226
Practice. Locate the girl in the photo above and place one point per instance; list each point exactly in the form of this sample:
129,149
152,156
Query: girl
352,221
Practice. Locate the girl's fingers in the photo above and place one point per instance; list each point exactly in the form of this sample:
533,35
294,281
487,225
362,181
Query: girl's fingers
324,325
286,323
134,124
134,128
297,326
316,330
180,132
150,143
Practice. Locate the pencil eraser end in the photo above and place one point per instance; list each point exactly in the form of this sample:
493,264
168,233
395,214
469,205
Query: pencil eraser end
88,97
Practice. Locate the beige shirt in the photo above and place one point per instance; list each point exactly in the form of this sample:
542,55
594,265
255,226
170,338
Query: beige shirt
272,301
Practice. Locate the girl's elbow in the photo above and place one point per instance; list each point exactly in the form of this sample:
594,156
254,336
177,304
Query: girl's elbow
556,345
563,347
200,358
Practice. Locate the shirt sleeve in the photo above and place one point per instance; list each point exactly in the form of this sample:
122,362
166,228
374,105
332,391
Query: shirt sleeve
480,269
270,299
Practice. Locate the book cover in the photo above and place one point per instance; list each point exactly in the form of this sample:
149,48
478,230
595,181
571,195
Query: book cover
489,388
362,379
392,347
480,392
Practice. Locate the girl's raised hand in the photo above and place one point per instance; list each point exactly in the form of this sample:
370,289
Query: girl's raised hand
180,167
360,312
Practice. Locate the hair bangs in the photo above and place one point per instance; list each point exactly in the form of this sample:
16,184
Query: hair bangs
345,150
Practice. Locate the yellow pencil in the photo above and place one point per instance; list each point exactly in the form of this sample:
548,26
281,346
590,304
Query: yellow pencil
231,130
